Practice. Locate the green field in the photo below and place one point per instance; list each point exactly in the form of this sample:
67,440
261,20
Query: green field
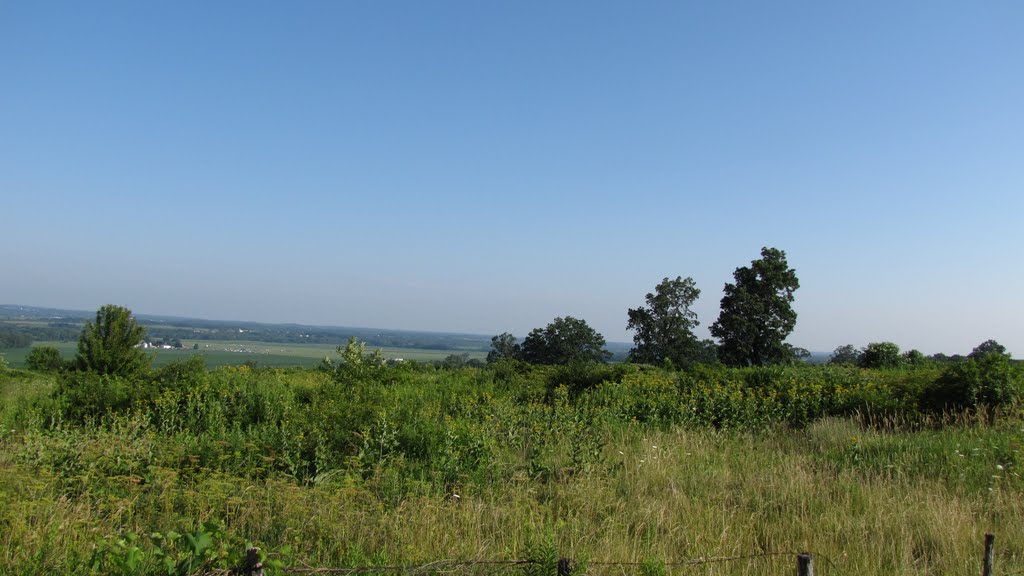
238,352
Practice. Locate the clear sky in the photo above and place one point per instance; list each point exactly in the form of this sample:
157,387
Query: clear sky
487,166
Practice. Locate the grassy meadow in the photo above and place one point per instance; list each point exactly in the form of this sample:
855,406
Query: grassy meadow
177,471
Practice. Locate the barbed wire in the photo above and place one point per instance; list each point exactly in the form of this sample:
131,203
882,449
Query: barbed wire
705,560
438,567
502,566
467,566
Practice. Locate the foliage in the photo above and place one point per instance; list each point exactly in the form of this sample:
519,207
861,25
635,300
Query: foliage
796,353
88,396
578,377
987,347
881,355
408,464
757,313
845,355
110,345
356,362
187,374
913,358
664,328
459,361
504,346
14,338
941,358
989,381
542,551
171,553
44,359
563,341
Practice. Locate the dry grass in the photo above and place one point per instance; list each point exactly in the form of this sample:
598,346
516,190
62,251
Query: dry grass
667,496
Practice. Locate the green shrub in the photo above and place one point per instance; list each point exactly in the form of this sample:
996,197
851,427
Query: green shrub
881,355
45,359
85,396
989,381
579,377
182,374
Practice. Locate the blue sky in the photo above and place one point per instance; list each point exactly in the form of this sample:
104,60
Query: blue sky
487,166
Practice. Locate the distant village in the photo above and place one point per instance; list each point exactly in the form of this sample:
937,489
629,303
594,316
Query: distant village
173,344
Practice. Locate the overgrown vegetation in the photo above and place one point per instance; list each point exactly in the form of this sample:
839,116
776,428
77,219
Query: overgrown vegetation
178,469
884,462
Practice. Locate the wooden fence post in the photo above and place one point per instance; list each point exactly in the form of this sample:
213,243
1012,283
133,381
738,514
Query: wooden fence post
805,564
564,567
990,553
252,565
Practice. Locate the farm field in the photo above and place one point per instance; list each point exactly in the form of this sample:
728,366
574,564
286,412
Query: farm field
412,464
238,352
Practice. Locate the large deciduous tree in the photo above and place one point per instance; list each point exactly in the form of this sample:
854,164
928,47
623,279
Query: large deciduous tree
504,346
881,355
110,345
664,328
987,347
563,341
846,354
757,313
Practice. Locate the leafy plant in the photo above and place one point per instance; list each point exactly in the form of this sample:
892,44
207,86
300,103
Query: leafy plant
988,381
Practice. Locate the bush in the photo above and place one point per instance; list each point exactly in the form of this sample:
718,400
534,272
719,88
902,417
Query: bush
44,359
89,396
182,374
881,355
987,381
580,376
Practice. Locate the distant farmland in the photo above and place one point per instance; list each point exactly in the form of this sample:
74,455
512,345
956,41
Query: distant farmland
236,352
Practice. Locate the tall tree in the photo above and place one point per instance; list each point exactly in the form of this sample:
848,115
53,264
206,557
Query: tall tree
664,328
881,355
757,313
845,354
987,347
503,345
914,358
111,344
563,341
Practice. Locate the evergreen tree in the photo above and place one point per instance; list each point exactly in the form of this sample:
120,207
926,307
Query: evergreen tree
110,345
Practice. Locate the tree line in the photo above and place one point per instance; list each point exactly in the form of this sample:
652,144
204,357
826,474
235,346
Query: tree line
887,355
756,317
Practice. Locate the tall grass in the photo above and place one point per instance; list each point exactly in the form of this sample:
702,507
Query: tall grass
411,465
